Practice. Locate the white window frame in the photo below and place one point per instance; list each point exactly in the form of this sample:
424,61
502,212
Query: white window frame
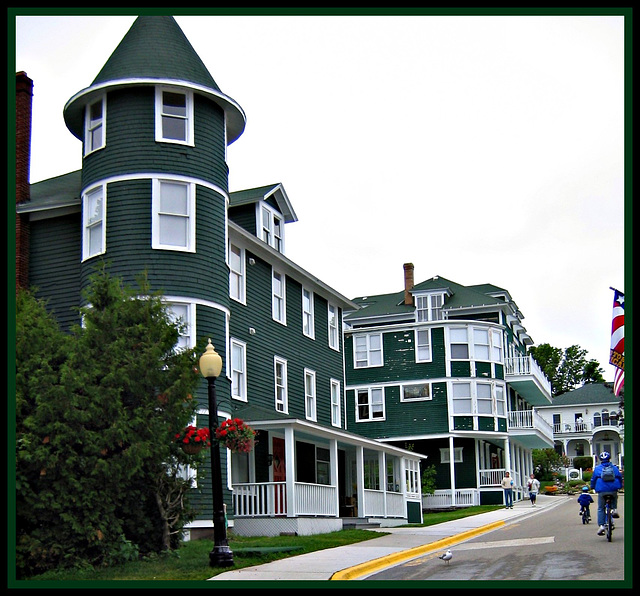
334,336
497,346
464,399
270,226
281,388
157,215
279,299
310,399
374,403
237,274
362,345
187,338
406,390
187,117
238,370
96,226
92,126
336,417
445,455
429,307
308,319
459,343
484,401
501,399
421,346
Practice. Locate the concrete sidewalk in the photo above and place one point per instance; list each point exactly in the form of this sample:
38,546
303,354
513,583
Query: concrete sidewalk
356,561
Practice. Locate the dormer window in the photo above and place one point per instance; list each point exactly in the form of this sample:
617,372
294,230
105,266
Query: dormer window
174,116
429,307
94,126
271,226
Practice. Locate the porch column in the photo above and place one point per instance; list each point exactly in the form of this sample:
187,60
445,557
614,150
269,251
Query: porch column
290,474
360,479
333,471
452,471
382,477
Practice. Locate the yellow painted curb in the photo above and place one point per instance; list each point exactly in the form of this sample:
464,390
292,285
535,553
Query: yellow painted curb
376,564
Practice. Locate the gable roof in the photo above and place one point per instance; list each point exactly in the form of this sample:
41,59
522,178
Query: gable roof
390,307
262,193
591,393
53,195
154,51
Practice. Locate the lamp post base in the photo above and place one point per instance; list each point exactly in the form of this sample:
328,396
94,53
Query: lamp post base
221,556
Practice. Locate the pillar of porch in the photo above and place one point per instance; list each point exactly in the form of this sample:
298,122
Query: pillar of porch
360,480
452,471
333,471
289,460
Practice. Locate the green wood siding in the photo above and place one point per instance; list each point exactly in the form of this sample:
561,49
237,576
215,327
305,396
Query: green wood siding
285,341
131,146
245,217
203,274
403,418
54,267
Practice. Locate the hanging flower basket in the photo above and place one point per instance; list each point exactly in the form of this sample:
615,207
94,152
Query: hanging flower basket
193,439
236,436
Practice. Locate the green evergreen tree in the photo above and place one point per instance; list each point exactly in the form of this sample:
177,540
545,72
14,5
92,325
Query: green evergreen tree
96,456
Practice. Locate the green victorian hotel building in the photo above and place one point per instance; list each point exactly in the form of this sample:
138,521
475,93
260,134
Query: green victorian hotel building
350,396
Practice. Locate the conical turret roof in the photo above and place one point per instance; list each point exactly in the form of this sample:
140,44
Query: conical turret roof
154,51
155,47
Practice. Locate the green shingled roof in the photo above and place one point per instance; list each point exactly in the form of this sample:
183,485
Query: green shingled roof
155,47
154,50
459,296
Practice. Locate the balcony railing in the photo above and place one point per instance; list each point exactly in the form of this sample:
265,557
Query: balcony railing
530,420
520,366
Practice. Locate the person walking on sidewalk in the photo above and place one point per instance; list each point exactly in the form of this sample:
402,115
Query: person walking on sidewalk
507,485
534,488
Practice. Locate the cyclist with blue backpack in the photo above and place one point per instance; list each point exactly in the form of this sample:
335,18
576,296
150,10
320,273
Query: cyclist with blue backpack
606,480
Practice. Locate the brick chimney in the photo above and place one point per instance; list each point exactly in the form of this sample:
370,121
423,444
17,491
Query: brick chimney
408,283
24,94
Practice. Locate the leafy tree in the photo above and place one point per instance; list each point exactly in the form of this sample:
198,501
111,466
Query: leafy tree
98,410
546,462
566,369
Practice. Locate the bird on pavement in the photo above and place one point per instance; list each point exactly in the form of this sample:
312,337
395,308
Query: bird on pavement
446,556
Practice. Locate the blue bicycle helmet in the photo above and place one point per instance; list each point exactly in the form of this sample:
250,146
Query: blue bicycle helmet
585,489
605,456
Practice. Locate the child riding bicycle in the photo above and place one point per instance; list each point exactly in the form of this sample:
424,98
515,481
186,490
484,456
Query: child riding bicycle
584,501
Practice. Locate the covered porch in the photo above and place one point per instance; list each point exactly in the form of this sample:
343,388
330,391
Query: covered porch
305,479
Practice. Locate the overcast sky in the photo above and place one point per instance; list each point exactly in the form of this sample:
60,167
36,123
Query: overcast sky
483,149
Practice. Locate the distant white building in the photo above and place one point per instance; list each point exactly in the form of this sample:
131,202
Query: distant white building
587,421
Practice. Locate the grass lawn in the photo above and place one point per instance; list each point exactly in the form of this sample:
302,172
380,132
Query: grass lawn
191,561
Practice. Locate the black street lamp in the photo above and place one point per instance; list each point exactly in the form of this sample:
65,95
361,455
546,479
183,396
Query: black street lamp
221,555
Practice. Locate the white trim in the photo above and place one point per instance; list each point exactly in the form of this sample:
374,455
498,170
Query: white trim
156,193
313,414
242,390
85,222
285,384
189,116
103,125
153,175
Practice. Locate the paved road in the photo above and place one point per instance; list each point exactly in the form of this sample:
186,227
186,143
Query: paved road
553,546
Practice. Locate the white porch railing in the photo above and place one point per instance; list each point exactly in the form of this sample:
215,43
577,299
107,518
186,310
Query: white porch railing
491,477
259,499
375,500
442,499
268,499
315,499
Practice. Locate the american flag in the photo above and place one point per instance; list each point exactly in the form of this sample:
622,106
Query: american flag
616,354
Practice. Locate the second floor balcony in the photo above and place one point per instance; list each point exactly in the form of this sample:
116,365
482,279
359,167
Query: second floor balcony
524,374
531,429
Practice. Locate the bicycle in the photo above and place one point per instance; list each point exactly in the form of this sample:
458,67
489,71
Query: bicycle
608,519
586,518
